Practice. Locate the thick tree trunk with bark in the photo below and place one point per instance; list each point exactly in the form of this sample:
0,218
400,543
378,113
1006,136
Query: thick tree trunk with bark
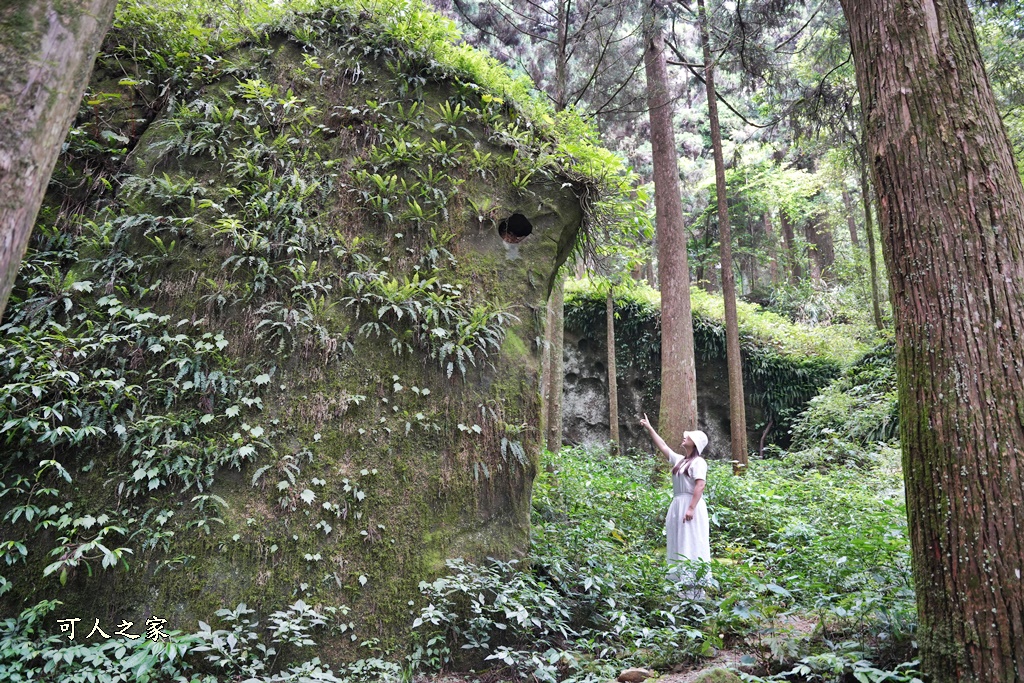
47,49
869,229
734,362
952,221
613,389
561,55
821,247
678,371
545,374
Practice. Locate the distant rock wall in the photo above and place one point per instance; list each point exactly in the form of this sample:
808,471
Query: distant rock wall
585,398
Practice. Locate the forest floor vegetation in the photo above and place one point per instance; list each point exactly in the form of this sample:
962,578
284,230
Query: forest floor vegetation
810,582
811,576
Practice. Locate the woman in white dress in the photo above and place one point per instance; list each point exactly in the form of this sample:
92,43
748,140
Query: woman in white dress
686,525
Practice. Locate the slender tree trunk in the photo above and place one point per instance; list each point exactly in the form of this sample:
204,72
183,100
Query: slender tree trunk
556,335
678,371
814,256
706,276
47,49
851,220
737,406
545,374
613,389
869,229
554,367
952,221
789,244
561,58
773,249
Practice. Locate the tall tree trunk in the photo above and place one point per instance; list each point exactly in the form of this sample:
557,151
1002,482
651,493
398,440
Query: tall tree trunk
706,278
561,56
556,337
869,229
789,244
678,370
737,406
554,368
851,220
813,255
545,374
613,389
952,221
47,50
822,248
773,249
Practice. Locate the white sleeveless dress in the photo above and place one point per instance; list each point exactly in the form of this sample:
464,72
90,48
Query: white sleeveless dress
687,540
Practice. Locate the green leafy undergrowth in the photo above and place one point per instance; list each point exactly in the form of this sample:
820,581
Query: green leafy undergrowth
859,408
790,545
243,648
85,374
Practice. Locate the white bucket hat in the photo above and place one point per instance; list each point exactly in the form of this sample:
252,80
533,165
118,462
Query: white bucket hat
700,440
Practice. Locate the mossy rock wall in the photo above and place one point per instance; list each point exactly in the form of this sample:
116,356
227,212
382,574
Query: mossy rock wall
585,399
777,385
329,290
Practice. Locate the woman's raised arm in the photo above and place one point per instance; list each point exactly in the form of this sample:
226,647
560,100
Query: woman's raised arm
658,441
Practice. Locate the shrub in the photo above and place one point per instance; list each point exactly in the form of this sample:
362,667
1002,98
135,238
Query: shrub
860,407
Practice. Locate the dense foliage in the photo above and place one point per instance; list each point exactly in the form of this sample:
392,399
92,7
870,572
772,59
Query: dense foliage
859,408
106,395
118,411
811,577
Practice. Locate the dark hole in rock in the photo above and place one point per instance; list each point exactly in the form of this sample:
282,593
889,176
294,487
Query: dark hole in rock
515,228
584,344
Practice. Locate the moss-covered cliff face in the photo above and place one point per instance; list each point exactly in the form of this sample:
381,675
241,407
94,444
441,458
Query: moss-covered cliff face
784,366
277,335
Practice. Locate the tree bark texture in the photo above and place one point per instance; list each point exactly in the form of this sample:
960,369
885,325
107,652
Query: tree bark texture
951,210
734,362
553,368
613,389
678,370
851,220
773,251
545,374
789,244
562,57
821,247
556,335
869,229
47,49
